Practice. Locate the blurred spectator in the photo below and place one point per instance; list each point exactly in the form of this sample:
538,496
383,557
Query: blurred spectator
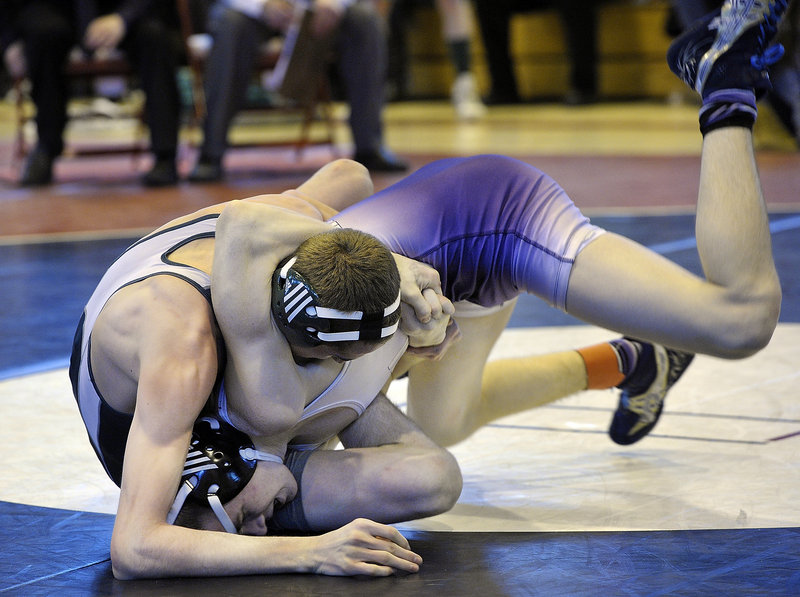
457,26
578,18
50,29
240,26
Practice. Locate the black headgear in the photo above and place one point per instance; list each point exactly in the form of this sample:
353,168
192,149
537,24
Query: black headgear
220,462
295,306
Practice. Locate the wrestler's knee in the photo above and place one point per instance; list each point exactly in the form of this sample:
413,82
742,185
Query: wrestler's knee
426,481
746,326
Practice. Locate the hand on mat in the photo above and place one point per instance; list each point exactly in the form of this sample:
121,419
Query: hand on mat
364,547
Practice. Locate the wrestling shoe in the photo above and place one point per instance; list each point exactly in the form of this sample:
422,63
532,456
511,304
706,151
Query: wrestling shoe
636,415
727,49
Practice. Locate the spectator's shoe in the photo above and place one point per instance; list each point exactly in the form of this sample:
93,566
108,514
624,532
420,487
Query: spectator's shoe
380,161
466,101
727,49
163,174
207,170
502,98
38,170
636,415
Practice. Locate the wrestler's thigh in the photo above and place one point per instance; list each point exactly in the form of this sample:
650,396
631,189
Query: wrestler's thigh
444,396
620,285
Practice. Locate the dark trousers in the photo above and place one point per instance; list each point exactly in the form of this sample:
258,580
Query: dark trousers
48,32
360,48
579,20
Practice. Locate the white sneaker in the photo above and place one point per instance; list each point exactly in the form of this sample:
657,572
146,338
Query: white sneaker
465,97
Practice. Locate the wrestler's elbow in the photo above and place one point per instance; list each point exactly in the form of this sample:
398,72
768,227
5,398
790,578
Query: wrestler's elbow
141,553
235,214
356,174
126,563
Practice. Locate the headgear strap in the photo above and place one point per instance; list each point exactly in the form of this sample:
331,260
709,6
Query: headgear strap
296,306
220,462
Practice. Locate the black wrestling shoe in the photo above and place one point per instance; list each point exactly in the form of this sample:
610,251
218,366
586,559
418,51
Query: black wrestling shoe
636,415
727,49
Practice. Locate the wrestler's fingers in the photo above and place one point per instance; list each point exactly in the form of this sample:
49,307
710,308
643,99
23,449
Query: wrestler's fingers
389,554
389,533
434,303
448,308
420,305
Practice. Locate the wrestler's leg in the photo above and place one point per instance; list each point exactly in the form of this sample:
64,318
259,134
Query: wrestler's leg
389,471
451,398
620,285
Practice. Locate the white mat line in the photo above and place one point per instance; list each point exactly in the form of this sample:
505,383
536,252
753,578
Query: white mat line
651,435
684,244
680,414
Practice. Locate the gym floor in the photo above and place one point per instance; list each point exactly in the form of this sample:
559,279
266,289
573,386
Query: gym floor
707,504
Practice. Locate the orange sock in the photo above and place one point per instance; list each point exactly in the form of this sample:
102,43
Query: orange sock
603,367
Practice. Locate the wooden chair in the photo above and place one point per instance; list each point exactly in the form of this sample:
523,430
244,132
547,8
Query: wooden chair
80,67
293,67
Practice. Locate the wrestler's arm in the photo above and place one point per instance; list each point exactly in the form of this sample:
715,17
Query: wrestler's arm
338,185
332,188
251,240
177,366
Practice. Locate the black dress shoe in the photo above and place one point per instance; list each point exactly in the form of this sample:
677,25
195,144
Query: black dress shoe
502,98
38,170
381,161
578,97
163,174
207,170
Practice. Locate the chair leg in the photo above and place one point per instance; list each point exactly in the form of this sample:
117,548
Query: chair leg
20,148
305,129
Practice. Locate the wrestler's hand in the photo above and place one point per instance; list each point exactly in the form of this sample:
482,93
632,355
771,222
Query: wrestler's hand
363,547
421,288
421,334
436,351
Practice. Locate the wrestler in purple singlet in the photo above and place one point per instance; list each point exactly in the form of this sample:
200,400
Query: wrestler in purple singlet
494,227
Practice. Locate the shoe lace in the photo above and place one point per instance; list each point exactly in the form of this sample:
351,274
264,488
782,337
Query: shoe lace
645,405
769,24
770,56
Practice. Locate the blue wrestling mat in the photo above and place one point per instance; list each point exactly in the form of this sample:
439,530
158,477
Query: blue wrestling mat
60,552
